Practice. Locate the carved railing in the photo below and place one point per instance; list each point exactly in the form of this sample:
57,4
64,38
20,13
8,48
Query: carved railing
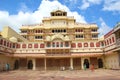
4,49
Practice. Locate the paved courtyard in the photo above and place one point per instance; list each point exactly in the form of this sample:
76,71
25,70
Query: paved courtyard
99,74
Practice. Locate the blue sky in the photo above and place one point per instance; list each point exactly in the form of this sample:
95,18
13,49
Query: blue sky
15,13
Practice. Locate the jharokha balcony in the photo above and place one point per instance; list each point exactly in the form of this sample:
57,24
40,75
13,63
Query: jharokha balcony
48,49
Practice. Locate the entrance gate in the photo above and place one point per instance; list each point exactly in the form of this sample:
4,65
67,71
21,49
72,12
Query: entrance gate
86,62
16,64
100,63
30,64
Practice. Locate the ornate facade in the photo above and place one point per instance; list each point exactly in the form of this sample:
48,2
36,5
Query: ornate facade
59,41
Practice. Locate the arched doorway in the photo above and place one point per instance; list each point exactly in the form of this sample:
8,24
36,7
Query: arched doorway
86,62
16,64
100,63
30,64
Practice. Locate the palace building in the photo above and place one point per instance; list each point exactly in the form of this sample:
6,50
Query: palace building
59,42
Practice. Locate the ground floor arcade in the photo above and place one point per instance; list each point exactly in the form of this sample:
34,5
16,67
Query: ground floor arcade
56,63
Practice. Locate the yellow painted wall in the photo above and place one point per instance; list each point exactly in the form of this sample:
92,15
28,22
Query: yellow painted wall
3,60
112,61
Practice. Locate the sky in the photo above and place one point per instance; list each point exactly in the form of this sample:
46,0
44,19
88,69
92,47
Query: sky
15,13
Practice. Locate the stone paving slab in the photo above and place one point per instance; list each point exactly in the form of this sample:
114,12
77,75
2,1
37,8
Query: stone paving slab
99,74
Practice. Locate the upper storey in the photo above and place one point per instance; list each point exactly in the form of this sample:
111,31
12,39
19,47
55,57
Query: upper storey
58,13
58,18
60,23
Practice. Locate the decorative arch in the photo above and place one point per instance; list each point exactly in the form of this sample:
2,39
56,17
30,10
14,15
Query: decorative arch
86,62
79,44
16,64
57,36
86,44
91,44
30,64
100,63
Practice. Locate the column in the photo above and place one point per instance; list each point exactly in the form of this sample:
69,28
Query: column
82,62
34,64
45,67
71,63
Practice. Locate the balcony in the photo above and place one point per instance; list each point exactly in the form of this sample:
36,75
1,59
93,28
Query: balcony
23,33
58,54
30,51
55,47
4,49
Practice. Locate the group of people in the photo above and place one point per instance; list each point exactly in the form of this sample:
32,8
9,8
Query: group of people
91,67
6,67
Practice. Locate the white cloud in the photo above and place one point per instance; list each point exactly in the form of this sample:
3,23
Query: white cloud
95,1
112,5
85,5
104,28
88,3
24,8
16,21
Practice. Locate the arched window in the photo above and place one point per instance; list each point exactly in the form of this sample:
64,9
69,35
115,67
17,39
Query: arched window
7,44
52,31
48,44
13,46
76,30
23,45
57,44
42,45
73,45
4,43
67,44
35,45
18,45
61,44
85,44
79,44
91,44
107,42
29,45
110,40
98,44
64,30
113,39
10,45
1,41
58,31
53,44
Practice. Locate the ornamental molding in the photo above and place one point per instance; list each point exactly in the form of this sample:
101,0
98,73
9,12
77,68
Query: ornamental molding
57,36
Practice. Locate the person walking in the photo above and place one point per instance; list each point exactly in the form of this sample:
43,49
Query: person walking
7,67
84,66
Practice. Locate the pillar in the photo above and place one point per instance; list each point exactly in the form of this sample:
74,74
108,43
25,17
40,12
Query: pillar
71,63
82,62
34,64
45,67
